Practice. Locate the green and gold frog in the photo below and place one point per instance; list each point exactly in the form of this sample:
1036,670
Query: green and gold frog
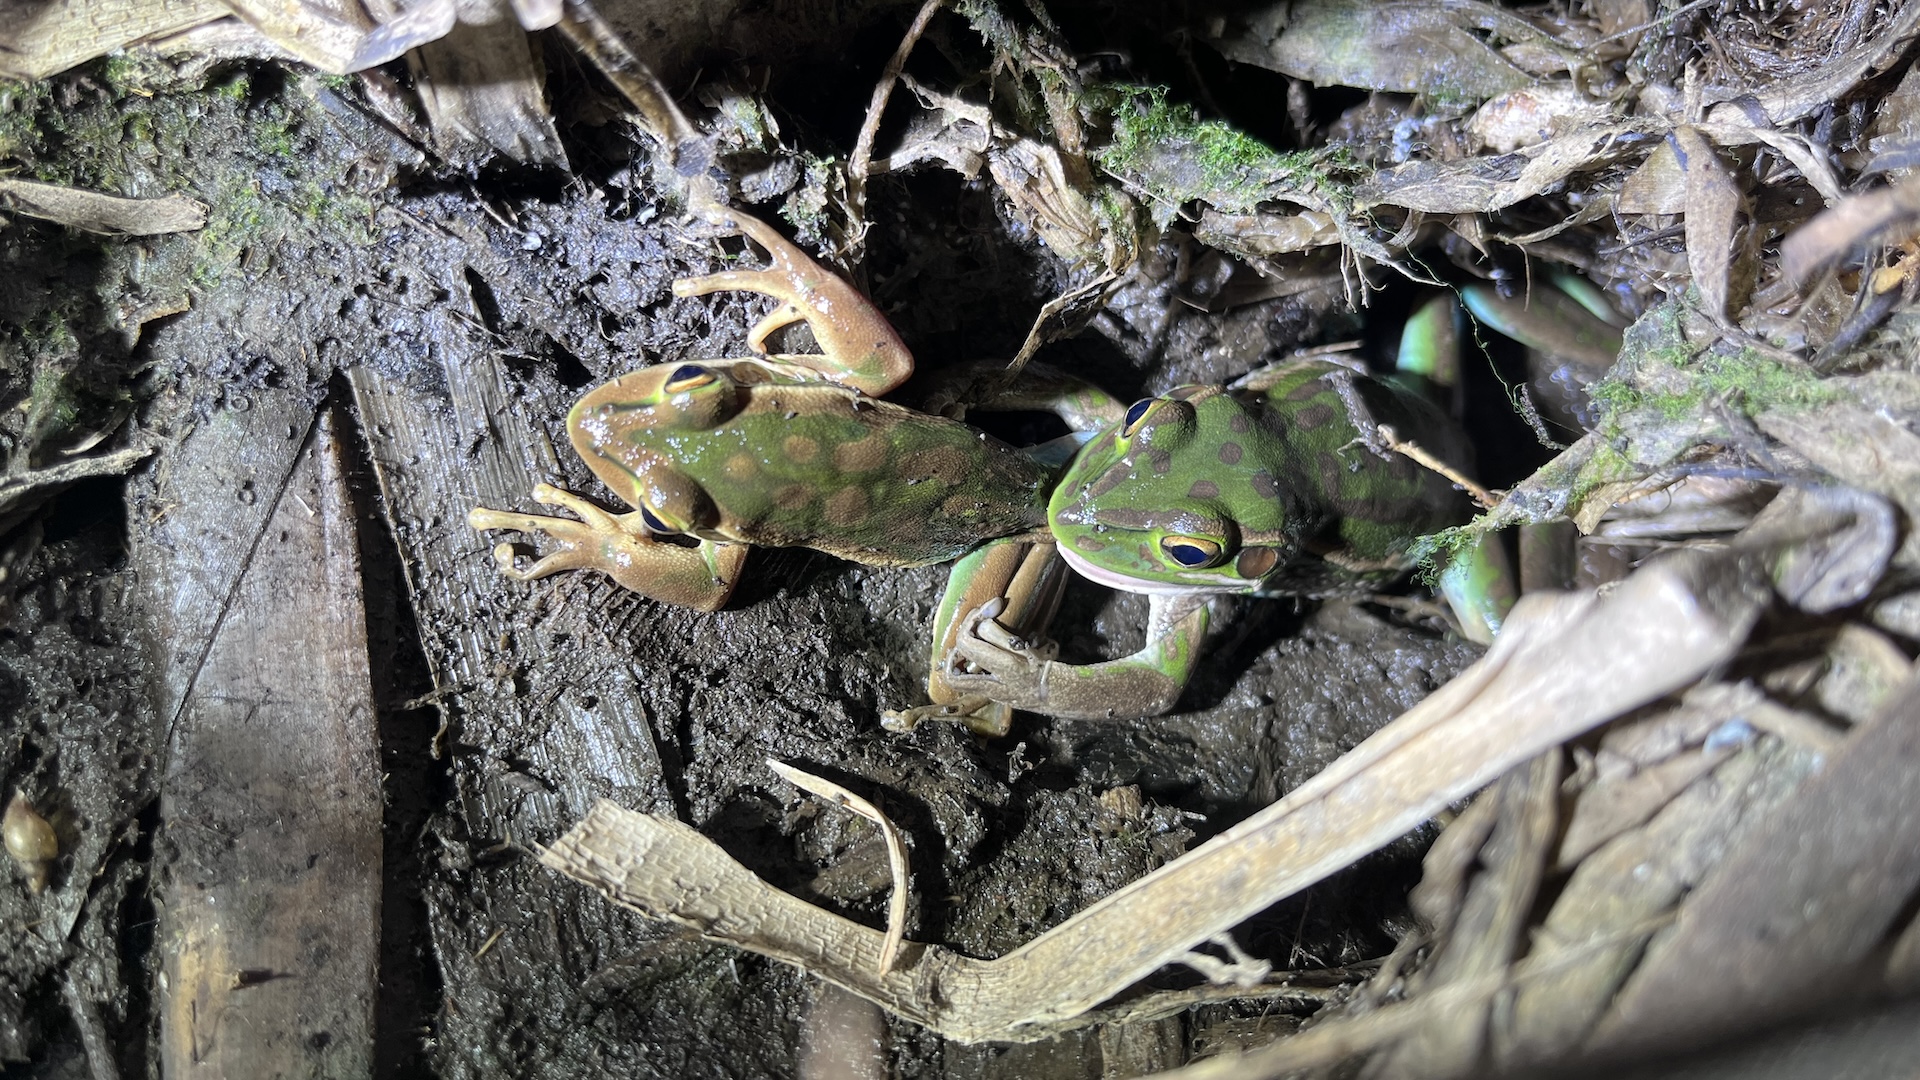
1279,484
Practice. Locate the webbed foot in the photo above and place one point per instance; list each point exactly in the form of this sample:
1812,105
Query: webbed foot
700,575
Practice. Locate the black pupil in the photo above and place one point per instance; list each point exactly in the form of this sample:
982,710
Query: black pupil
1187,554
653,523
1137,410
688,373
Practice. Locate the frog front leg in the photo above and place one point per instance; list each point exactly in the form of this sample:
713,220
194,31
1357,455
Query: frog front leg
1019,581
1012,670
697,574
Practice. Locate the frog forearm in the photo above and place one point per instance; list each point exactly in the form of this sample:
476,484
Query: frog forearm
1146,683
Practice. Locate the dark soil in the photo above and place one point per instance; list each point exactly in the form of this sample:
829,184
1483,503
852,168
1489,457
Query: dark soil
342,271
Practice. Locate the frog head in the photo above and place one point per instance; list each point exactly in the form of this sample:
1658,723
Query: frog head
622,427
1181,497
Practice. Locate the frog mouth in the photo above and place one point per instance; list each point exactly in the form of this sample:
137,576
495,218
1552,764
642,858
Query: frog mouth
1113,579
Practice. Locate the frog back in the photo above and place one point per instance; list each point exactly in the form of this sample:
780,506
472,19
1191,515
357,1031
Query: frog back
1361,507
784,463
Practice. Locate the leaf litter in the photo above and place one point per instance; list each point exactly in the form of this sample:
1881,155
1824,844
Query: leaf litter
1754,448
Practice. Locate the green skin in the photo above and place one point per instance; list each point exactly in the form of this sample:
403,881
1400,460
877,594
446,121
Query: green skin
1279,486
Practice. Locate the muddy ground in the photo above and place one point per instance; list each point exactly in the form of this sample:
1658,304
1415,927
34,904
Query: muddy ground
445,323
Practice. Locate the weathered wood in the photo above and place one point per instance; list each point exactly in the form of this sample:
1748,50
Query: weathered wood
271,802
1522,698
62,33
485,92
601,740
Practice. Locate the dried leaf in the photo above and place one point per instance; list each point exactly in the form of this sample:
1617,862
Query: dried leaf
22,493
1894,138
1266,234
402,30
1050,192
1534,114
327,39
1807,894
95,212
477,80
1857,446
1834,544
1408,47
1729,126
1656,186
1482,185
1848,225
1713,207
537,14
896,850
1800,96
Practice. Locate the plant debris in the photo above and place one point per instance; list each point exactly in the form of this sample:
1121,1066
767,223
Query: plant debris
1704,743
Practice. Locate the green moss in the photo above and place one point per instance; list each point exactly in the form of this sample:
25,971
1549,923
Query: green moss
20,107
273,136
237,216
1662,376
237,89
806,208
1179,157
1434,552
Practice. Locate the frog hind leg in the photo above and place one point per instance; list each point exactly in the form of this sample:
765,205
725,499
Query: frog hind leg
1477,580
858,347
1478,583
619,546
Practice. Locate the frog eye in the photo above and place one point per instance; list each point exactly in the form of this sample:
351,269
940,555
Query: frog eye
1136,413
653,523
688,377
1192,552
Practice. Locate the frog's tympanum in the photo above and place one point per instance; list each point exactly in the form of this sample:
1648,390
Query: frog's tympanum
1278,484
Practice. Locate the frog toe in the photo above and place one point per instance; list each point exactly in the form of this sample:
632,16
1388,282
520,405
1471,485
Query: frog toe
981,714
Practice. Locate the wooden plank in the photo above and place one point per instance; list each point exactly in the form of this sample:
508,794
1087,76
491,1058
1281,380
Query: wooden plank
271,801
55,36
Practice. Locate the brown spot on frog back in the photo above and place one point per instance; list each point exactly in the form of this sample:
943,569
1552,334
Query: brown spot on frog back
1333,476
793,496
1315,416
799,449
846,507
861,455
1230,453
1203,489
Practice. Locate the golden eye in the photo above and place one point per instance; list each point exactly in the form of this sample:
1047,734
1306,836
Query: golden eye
688,377
1135,414
1192,552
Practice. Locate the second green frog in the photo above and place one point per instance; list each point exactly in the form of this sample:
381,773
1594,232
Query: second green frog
1278,484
